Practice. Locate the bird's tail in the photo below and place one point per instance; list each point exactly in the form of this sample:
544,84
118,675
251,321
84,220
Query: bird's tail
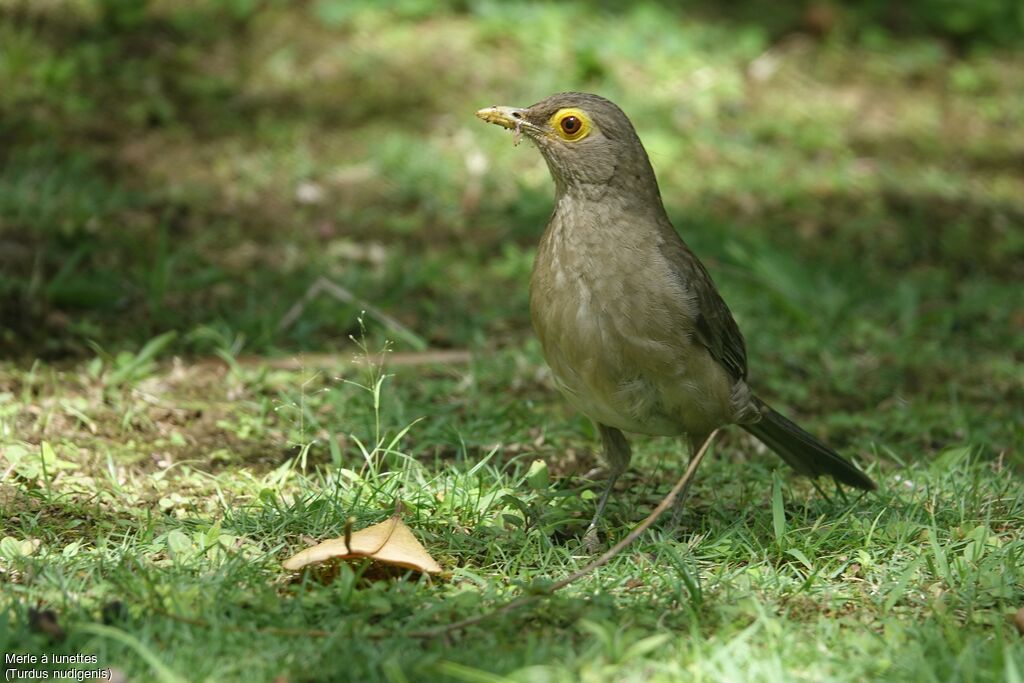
803,452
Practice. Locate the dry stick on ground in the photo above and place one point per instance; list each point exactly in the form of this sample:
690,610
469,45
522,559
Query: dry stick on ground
678,491
323,284
332,361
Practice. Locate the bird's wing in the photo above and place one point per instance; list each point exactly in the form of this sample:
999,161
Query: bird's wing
714,326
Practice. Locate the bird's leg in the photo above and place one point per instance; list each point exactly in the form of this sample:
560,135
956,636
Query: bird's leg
680,502
617,455
821,491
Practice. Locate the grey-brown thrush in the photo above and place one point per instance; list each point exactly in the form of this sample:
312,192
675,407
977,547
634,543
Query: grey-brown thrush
629,320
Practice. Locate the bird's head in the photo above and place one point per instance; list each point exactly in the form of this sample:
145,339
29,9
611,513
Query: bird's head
588,142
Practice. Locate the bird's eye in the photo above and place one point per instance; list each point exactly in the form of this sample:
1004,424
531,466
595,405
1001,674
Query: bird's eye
571,124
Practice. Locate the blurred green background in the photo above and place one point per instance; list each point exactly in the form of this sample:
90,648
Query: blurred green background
852,173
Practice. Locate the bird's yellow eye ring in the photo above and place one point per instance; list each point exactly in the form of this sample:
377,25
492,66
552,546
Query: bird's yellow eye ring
571,124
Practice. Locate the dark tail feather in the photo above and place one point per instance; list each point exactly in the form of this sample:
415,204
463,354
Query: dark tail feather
803,452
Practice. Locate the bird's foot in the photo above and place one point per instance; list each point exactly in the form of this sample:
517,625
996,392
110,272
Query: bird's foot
675,522
591,541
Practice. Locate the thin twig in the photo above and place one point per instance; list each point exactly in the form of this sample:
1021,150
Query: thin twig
326,285
678,491
339,361
265,630
681,487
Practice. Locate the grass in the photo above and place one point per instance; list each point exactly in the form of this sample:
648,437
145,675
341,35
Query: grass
173,177
768,580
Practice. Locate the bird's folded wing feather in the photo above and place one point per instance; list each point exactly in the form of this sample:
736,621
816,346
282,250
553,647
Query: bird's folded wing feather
714,327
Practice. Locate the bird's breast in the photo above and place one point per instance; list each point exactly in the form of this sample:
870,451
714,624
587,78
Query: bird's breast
615,324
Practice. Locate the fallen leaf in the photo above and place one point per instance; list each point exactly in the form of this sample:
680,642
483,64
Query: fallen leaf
390,542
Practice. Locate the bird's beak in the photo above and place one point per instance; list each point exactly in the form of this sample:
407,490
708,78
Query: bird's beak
512,118
506,117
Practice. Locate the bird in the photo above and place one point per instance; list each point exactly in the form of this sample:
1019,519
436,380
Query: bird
629,320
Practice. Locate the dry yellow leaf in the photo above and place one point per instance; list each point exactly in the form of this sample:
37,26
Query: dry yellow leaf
390,542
